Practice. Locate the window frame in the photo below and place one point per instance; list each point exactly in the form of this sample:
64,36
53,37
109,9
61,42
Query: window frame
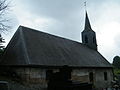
105,76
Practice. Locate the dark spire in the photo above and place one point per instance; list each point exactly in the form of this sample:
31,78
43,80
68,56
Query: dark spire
88,35
87,23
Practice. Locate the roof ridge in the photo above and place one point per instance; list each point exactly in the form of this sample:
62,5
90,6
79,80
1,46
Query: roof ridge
24,45
57,36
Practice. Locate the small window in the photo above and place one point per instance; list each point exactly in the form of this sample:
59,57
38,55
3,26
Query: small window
86,39
91,76
105,76
94,41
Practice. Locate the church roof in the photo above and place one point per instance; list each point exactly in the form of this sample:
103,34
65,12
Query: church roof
32,47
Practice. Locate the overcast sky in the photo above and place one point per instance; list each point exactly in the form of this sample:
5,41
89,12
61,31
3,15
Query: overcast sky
66,18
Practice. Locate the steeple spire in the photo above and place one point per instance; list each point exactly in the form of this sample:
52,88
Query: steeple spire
87,23
88,35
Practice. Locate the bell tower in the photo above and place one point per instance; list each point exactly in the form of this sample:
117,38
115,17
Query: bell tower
88,35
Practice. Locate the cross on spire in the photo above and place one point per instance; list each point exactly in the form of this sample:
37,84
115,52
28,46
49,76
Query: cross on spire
87,22
85,5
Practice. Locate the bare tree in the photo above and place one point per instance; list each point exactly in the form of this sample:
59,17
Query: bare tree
2,41
4,7
4,26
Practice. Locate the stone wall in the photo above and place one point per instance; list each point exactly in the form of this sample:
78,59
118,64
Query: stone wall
38,75
100,81
33,75
29,76
82,75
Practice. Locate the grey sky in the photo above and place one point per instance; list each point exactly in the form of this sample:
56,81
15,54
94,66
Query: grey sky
65,18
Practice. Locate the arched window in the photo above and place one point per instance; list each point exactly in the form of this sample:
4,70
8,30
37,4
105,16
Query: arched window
91,76
105,76
86,39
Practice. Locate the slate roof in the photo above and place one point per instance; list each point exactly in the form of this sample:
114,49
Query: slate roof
32,47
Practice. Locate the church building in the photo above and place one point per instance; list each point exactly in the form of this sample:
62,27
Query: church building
31,55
